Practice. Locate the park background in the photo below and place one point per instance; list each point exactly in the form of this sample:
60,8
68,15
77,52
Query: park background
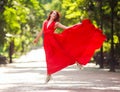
21,20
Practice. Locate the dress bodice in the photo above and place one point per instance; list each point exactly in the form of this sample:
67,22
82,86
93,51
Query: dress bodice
50,28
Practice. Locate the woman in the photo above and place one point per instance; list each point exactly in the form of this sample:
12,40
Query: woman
75,44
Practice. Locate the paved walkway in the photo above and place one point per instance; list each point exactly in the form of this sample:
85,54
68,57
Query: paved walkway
27,74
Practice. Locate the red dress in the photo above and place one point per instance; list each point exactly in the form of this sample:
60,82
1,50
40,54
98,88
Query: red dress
75,44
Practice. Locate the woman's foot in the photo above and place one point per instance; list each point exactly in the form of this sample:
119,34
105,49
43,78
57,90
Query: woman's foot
79,66
48,78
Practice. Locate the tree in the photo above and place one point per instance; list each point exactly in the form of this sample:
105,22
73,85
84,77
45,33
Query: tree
19,19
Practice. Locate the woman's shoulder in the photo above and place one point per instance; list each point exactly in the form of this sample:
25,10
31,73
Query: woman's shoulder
44,21
57,23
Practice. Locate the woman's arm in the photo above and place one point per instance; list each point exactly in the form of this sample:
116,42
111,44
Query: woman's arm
59,25
39,35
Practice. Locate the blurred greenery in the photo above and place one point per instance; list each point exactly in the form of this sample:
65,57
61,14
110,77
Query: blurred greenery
21,20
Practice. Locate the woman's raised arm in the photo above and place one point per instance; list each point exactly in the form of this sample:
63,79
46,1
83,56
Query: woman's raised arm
39,35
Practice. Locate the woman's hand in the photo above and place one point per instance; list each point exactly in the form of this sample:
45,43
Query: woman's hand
36,40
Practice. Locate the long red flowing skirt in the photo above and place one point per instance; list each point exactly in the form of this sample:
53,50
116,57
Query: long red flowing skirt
75,44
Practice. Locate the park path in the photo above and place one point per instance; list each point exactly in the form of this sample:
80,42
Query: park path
27,74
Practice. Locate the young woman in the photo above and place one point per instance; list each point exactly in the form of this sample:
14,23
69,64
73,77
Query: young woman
75,44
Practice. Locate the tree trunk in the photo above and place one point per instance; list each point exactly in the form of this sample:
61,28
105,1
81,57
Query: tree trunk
11,50
101,26
112,60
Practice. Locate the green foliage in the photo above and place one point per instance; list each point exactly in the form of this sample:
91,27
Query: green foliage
75,9
20,20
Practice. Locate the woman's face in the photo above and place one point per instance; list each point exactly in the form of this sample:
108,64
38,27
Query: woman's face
53,15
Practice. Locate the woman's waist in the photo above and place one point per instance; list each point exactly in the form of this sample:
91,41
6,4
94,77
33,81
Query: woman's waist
49,33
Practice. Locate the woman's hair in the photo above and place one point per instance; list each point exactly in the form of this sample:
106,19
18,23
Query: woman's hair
57,16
